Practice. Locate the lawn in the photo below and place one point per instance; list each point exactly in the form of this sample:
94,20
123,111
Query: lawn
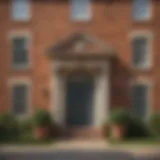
142,141
26,140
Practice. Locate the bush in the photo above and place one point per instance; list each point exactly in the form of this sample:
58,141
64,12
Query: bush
137,128
154,123
42,118
26,127
9,129
119,116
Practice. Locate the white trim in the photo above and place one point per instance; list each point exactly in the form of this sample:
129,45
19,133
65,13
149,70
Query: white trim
141,33
58,98
21,20
28,35
109,84
149,36
19,33
21,81
81,19
146,19
101,101
143,80
149,84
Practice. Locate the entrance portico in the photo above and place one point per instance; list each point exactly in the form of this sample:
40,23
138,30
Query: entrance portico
81,82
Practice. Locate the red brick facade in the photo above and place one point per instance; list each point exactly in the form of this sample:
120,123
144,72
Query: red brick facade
51,21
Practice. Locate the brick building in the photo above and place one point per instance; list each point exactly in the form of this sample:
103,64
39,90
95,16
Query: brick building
79,58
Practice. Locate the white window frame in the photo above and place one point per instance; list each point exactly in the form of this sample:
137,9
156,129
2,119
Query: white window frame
149,36
21,19
84,19
144,19
149,84
26,82
19,34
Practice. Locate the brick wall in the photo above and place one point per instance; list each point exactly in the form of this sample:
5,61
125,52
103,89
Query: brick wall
51,21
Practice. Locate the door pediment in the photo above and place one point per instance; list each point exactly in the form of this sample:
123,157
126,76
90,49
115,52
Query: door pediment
82,46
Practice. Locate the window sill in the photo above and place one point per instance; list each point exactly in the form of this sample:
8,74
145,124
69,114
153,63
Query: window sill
21,67
74,20
142,68
21,20
148,20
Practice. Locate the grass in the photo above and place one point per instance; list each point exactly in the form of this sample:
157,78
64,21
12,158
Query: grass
26,140
142,141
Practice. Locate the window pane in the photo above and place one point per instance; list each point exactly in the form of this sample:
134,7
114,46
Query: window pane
80,9
20,9
20,51
140,51
20,99
141,9
140,99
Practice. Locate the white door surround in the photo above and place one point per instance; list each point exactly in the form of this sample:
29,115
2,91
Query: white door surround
100,72
81,52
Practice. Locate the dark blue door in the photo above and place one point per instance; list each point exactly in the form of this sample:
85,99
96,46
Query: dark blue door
79,109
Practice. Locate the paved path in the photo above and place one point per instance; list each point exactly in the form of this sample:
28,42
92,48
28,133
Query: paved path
79,150
75,155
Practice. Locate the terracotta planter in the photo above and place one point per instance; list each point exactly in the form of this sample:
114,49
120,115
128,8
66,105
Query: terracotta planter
118,131
106,130
41,132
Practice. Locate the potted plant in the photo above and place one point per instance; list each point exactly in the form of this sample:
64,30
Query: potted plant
119,119
42,121
106,129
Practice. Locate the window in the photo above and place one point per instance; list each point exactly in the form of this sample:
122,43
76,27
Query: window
141,10
140,100
20,52
20,10
140,49
20,99
81,10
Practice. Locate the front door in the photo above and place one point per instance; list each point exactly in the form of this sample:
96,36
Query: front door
79,101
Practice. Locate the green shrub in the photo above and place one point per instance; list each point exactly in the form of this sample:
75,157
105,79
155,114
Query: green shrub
26,126
9,127
119,116
137,128
42,118
154,123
